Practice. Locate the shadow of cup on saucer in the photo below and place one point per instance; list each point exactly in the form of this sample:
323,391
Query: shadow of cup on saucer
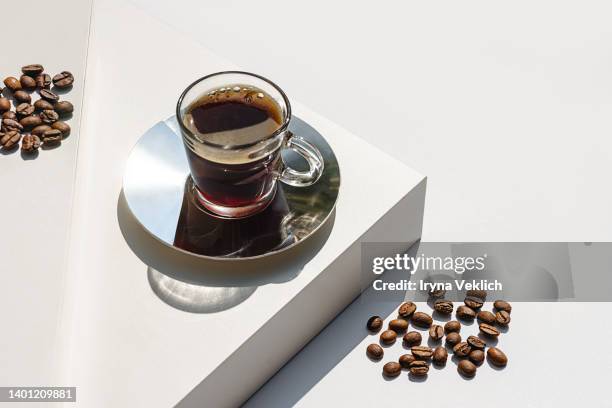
200,285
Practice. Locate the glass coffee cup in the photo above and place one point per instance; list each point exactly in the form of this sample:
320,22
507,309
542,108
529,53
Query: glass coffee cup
234,126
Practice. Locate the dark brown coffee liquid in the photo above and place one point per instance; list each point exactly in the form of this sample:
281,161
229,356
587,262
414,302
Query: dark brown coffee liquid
227,116
234,118
233,185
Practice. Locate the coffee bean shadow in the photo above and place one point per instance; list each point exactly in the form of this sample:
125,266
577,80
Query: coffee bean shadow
387,378
433,343
439,366
493,366
417,378
385,346
440,316
6,152
466,378
490,341
29,155
466,322
503,329
50,147
373,359
64,117
456,359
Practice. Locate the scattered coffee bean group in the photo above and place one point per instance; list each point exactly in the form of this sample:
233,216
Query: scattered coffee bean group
37,124
470,353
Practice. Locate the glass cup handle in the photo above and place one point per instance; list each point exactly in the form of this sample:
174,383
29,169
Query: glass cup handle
311,154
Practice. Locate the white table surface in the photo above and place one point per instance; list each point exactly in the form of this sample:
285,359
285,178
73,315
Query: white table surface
506,108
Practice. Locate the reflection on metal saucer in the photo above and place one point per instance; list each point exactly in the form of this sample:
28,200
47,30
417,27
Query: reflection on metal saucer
159,192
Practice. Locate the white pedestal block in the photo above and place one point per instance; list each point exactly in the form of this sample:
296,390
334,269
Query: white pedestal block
127,343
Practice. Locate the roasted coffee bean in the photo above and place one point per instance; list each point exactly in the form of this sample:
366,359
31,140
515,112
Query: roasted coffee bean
41,104
375,352
374,323
10,139
43,81
52,137
421,319
30,143
48,95
497,357
465,313
452,326
489,330
502,305
5,104
462,349
412,338
398,325
453,338
406,359
22,96
476,343
436,332
9,125
480,294
386,337
437,293
32,69
473,302
49,116
477,357
502,318
31,121
443,306
12,83
24,109
392,369
406,309
422,352
440,355
466,368
27,82
419,368
63,107
40,130
485,316
63,80
9,115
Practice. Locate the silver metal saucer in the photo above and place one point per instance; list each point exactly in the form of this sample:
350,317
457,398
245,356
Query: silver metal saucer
158,191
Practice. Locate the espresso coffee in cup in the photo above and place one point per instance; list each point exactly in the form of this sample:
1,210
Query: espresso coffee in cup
234,126
237,116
